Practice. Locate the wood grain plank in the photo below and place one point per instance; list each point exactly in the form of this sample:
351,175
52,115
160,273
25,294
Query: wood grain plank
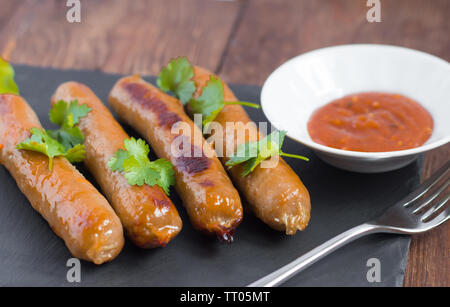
8,10
120,36
429,256
270,32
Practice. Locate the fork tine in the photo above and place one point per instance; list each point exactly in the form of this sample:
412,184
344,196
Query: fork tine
439,219
436,208
431,198
426,186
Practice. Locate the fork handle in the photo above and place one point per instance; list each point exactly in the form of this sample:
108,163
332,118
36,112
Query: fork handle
290,270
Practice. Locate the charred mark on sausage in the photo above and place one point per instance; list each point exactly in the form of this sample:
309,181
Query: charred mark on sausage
190,162
193,159
145,97
193,165
226,234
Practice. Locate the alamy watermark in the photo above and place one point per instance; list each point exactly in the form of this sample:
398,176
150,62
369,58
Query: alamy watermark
74,273
374,273
374,13
74,12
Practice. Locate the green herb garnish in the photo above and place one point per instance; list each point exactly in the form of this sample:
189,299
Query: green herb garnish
253,153
67,115
61,110
7,83
41,142
211,101
66,141
176,77
137,167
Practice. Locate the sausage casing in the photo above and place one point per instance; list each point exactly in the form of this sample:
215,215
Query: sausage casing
147,214
276,195
72,206
213,204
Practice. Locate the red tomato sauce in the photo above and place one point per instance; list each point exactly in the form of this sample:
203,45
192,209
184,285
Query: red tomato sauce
371,122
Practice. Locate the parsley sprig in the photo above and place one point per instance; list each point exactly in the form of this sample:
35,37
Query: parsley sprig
67,116
177,76
137,167
41,141
211,101
67,141
7,83
253,153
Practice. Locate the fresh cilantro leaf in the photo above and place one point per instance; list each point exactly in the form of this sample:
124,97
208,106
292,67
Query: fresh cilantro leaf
7,83
137,148
116,162
68,135
61,110
66,141
256,152
166,174
78,111
248,167
138,173
58,112
67,115
41,142
253,153
76,154
176,77
211,101
137,167
244,152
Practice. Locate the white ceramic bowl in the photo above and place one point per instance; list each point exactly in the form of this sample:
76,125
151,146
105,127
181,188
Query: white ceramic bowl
303,84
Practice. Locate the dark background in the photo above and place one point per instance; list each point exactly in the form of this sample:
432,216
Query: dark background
243,41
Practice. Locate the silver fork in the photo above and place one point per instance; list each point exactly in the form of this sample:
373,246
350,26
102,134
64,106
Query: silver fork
420,211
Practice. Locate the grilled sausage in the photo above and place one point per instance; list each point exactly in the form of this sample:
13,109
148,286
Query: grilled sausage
72,206
213,204
149,217
276,195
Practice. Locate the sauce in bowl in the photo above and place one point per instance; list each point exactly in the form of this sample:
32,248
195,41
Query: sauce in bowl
371,122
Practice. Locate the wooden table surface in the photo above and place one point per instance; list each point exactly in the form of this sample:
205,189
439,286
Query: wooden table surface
243,41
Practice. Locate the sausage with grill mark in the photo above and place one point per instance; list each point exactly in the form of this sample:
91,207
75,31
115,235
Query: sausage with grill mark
213,204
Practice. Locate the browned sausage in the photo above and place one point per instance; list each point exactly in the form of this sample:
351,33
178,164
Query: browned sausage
147,214
75,210
276,195
213,204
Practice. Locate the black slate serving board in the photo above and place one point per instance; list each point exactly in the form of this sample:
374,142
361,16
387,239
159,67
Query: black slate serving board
32,255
